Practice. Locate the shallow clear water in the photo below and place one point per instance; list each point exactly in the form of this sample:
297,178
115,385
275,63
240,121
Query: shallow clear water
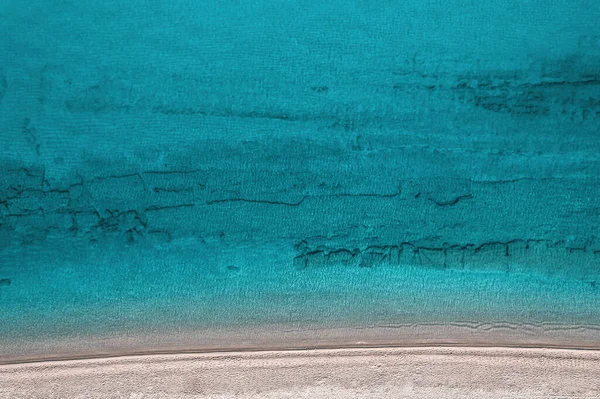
298,165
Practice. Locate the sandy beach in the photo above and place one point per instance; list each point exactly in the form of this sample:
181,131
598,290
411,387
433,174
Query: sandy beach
427,372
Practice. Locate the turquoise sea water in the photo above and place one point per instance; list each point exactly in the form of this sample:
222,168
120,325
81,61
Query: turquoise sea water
293,165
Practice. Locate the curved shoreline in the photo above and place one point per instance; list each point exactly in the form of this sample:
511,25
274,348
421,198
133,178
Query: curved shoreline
293,349
285,337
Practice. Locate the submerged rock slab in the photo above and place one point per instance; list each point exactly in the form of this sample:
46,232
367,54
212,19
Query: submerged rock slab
308,163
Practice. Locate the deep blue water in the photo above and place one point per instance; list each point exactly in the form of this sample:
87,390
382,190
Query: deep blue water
294,165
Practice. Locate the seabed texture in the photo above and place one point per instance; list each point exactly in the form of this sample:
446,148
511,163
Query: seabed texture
189,176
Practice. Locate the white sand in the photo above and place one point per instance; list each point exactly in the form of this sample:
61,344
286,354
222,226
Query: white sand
431,372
